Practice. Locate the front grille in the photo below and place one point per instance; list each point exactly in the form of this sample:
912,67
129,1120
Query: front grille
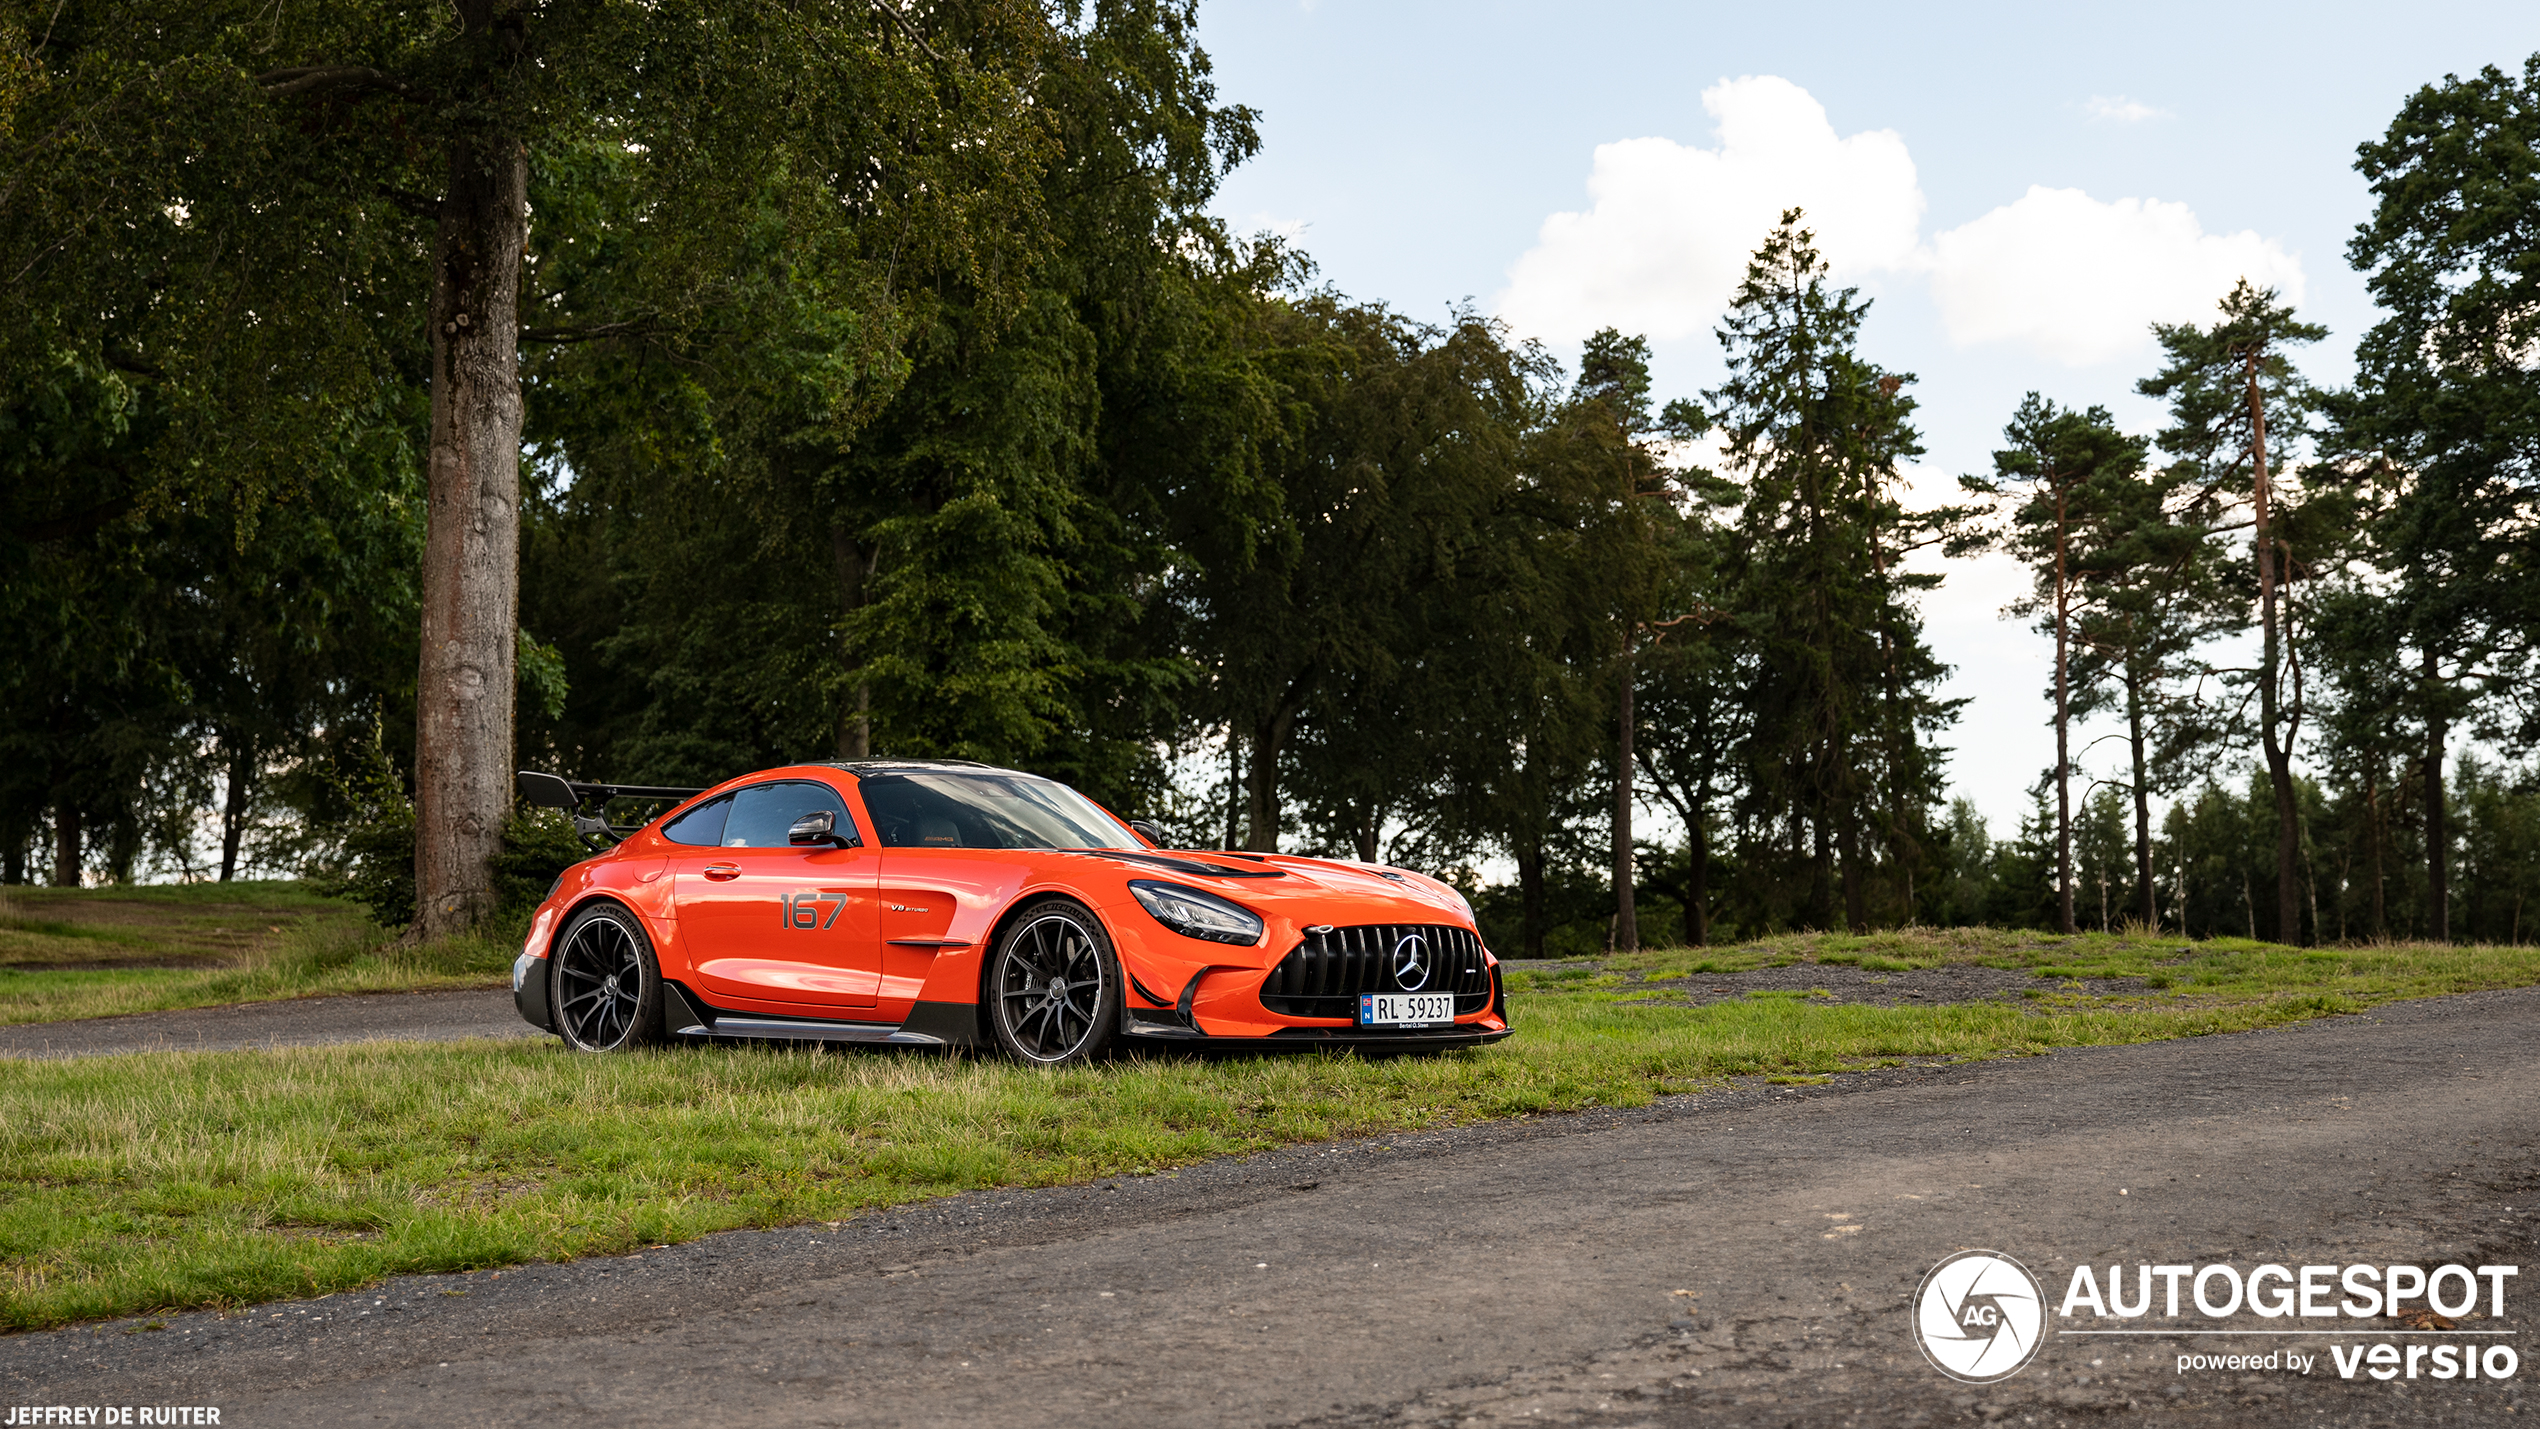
1327,972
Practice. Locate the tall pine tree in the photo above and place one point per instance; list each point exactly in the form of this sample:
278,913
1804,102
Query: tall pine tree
2237,407
1840,699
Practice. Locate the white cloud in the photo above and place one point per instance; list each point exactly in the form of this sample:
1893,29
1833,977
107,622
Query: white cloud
1670,227
2118,109
2079,281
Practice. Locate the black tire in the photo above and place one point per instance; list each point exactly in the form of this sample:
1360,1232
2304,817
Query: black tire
1052,986
604,988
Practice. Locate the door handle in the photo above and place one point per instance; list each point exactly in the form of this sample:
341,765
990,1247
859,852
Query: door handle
723,872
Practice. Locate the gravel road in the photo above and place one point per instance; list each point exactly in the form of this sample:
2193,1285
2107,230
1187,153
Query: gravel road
1740,1258
298,1022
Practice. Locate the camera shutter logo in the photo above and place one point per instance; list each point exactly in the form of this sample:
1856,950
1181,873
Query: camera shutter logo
1979,1316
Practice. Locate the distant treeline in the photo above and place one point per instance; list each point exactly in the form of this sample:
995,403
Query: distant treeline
946,421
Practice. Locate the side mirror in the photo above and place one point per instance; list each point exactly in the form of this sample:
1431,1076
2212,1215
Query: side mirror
1149,830
820,826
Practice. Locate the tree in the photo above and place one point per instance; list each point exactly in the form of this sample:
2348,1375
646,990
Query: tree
2065,466
2105,852
1840,697
2156,593
2441,434
1405,449
391,151
173,648
1691,728
2500,850
997,560
1611,409
2227,386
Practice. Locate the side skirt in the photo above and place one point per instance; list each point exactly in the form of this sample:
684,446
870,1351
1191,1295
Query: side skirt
930,1024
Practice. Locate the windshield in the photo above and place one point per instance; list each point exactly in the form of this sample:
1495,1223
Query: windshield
934,809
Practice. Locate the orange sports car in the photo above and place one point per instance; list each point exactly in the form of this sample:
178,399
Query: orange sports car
942,903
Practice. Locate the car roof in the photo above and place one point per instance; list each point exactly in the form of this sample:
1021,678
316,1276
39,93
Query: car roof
887,766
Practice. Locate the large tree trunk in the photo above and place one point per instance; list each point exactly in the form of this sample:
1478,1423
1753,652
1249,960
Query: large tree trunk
2288,826
2146,904
1626,937
471,561
233,814
2438,831
66,845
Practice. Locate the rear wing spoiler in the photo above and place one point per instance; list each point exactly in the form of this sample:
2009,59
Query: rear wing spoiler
588,803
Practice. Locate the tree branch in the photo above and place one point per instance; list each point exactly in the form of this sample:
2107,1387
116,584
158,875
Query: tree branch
909,27
631,327
310,79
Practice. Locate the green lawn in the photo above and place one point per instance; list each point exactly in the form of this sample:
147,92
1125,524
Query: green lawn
168,1180
95,952
2177,973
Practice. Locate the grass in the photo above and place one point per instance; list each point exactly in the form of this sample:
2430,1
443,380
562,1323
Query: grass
96,952
163,1181
2175,973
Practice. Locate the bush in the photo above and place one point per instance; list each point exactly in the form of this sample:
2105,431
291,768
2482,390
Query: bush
376,866
538,846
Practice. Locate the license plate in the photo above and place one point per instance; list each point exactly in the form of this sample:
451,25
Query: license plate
1405,1009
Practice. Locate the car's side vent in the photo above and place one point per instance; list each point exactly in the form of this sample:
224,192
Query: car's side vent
1326,973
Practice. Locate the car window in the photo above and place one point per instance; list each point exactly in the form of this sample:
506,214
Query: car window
762,813
702,825
945,810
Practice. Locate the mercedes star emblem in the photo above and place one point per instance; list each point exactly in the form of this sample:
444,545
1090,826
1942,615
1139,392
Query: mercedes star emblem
1411,963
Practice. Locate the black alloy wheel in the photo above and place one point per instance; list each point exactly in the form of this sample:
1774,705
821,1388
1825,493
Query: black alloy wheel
1053,986
607,990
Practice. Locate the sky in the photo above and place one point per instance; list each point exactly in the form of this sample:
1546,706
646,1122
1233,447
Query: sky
2021,190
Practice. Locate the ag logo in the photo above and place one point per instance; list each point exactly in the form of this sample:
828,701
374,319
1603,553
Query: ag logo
1979,1316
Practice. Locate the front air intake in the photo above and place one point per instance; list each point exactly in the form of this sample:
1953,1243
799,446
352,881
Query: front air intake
1326,973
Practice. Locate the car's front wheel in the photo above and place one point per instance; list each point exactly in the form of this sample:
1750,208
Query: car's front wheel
607,990
1053,986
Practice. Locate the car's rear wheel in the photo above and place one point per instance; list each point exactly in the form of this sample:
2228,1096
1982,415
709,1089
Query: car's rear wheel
1053,986
607,990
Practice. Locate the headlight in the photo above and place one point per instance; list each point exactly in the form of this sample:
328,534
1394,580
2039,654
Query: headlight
1194,914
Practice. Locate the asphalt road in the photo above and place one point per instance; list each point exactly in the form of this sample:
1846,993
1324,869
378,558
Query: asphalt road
297,1022
1743,1258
